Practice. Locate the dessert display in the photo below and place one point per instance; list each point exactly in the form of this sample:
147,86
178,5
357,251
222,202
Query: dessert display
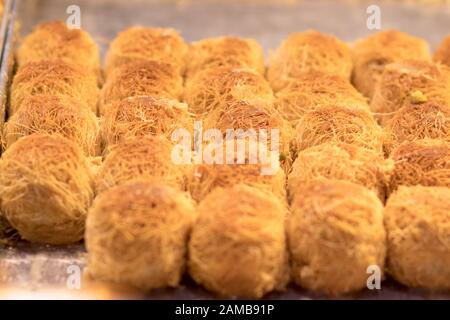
214,164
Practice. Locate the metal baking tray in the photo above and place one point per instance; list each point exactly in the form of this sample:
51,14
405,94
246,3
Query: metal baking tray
36,271
6,65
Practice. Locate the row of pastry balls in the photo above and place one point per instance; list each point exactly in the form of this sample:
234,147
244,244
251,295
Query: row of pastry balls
149,158
47,187
416,180
56,40
324,53
242,242
127,114
231,94
212,87
54,97
224,86
162,49
338,231
237,244
218,86
19,201
66,116
47,184
233,243
298,53
58,96
333,112
56,87
139,116
54,168
305,105
423,162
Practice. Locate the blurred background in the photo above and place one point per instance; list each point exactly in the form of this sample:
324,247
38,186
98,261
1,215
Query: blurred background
268,21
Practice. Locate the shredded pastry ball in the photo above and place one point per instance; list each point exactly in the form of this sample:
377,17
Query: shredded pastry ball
137,233
46,187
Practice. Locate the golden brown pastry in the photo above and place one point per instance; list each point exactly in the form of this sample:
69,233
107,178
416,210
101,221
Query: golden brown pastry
56,40
137,233
335,233
308,51
143,44
237,246
240,163
54,115
332,123
146,158
422,162
213,88
408,82
146,78
54,77
417,222
418,121
225,51
140,116
340,161
313,89
372,53
46,187
257,115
